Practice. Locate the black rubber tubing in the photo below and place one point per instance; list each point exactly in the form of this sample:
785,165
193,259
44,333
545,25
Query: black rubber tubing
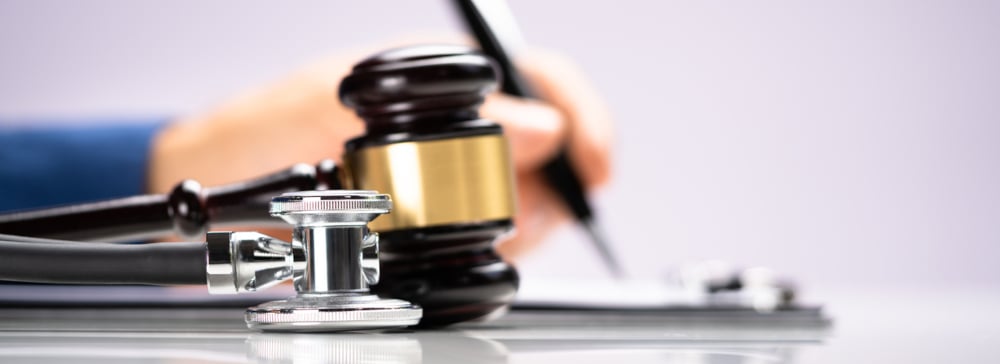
95,263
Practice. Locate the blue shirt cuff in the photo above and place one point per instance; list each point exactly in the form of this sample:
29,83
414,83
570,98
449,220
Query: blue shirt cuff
57,165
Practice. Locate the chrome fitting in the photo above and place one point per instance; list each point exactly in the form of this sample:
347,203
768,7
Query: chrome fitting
340,262
249,261
332,228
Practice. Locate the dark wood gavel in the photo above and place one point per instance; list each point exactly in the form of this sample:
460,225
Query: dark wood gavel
448,172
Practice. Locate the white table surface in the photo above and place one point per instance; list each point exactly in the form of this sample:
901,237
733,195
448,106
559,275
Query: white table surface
937,326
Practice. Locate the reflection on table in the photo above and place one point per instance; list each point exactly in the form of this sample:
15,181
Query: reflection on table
218,336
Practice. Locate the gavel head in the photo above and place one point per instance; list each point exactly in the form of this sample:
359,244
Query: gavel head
449,174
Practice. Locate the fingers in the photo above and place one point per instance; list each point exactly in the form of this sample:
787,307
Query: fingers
572,115
538,214
535,130
560,82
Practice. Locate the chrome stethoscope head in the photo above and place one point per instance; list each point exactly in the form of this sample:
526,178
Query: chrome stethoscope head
333,258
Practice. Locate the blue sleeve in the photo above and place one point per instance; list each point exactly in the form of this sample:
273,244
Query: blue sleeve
56,165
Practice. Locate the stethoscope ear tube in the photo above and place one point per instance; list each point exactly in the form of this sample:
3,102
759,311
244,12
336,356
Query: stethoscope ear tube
47,261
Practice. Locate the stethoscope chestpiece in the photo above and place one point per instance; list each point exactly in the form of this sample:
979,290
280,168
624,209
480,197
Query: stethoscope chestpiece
340,262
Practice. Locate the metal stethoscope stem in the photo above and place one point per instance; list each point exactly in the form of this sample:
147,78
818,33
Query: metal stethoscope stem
333,258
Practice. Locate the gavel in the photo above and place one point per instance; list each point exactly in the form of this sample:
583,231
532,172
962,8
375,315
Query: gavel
447,170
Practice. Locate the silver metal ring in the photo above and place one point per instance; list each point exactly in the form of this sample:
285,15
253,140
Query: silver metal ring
335,312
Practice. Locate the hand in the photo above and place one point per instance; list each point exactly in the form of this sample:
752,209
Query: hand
301,120
574,115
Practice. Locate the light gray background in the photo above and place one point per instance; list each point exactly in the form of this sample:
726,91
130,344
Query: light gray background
845,143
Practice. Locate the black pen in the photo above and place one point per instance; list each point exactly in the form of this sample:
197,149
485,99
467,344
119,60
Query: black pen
483,19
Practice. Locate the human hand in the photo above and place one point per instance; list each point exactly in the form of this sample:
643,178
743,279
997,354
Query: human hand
573,115
300,120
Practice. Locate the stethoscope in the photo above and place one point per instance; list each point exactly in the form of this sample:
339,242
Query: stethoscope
332,259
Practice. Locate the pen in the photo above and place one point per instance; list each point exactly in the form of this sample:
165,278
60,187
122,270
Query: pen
492,23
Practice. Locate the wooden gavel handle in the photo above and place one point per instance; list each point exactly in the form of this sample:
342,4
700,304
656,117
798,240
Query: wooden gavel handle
187,210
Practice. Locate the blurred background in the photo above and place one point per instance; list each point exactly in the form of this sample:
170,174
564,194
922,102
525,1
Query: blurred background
847,144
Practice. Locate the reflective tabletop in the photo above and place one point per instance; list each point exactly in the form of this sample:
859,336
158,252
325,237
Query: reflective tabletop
923,326
204,335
